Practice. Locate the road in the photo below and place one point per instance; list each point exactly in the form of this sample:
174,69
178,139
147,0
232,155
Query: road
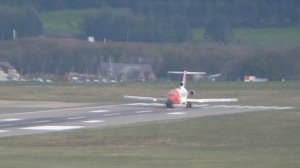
24,118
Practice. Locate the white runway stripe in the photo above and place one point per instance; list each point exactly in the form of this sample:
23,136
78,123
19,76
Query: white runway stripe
284,108
113,114
93,121
11,119
52,128
200,105
76,118
100,111
145,104
3,131
177,113
66,109
251,107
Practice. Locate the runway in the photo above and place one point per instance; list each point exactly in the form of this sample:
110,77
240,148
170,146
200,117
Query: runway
19,120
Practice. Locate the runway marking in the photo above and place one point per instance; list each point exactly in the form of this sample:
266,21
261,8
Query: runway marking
43,121
177,113
145,104
66,109
93,121
75,118
251,107
145,111
113,114
52,128
3,131
11,119
284,108
100,111
104,106
200,105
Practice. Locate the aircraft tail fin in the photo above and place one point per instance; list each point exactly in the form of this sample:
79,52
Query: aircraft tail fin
184,78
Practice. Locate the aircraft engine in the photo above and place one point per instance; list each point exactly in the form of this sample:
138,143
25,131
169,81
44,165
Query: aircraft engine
191,92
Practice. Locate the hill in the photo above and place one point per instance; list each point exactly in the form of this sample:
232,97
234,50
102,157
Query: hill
67,23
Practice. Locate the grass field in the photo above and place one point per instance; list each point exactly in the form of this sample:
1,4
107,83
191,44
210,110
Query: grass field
67,22
265,140
268,139
269,36
269,93
280,38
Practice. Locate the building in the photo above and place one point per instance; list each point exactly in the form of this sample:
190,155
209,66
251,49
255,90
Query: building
8,72
254,79
3,75
75,77
128,72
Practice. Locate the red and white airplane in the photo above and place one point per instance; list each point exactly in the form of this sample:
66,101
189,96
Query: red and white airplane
180,95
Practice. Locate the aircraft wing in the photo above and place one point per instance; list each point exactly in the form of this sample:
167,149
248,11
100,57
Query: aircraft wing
211,100
187,72
150,99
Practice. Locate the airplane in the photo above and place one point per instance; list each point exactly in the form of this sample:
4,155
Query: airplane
180,95
212,78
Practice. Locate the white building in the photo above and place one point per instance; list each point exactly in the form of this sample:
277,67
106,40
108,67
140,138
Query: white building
128,72
8,72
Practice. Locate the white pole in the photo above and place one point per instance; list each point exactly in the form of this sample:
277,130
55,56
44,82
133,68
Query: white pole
14,34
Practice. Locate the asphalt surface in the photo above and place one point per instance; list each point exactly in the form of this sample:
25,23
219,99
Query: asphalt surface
23,118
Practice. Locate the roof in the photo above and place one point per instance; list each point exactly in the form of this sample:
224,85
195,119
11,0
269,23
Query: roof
6,65
119,67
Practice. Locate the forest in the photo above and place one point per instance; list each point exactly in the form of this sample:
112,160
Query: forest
56,56
156,20
159,31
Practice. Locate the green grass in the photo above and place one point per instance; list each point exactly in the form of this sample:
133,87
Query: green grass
261,139
269,93
266,140
261,38
269,36
198,35
67,22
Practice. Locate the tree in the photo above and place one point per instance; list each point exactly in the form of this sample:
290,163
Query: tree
219,30
23,20
130,27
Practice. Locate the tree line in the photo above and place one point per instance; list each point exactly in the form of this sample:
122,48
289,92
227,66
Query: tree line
158,20
243,13
19,22
54,56
131,27
154,21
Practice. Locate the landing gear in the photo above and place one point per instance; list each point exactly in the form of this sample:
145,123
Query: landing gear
188,105
169,105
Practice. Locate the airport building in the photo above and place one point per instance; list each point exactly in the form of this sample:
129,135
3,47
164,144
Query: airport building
8,72
128,72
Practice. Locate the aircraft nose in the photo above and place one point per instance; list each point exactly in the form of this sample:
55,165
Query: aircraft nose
173,98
